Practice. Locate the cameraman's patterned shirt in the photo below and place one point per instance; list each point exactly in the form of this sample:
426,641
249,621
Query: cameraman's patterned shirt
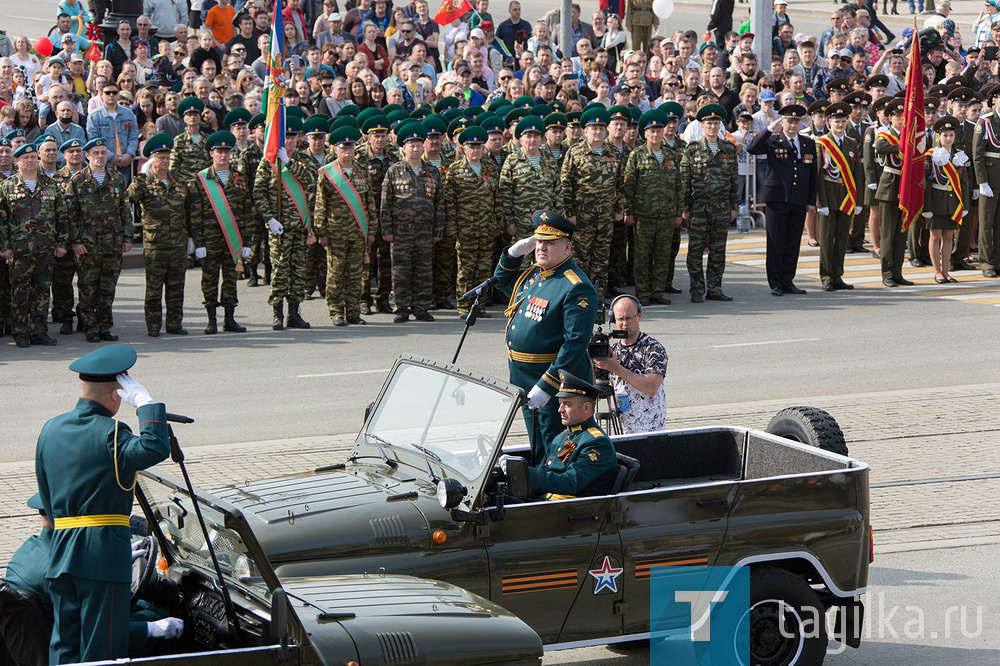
646,356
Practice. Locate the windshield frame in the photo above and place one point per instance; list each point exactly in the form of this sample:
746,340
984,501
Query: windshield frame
405,453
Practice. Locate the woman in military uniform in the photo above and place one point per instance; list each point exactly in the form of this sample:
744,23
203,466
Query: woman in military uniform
947,195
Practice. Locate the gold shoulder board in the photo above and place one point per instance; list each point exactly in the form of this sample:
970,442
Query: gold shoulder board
596,432
572,277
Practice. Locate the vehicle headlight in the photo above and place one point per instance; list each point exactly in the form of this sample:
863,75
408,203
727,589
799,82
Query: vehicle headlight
244,567
450,493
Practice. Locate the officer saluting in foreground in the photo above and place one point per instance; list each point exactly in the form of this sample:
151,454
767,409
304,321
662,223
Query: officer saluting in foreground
86,462
552,310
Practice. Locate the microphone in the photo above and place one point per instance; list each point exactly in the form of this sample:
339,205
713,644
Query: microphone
476,291
178,418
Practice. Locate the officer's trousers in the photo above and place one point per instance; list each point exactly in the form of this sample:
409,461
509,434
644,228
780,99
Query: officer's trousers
989,231
892,239
30,276
653,238
90,620
97,280
833,232
785,222
215,262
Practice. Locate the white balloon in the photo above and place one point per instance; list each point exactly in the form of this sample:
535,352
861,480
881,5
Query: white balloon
663,8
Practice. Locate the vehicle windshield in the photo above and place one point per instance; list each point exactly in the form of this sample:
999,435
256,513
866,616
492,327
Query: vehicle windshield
456,419
174,513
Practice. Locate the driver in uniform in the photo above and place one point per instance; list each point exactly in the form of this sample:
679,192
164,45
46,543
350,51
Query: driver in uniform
551,315
86,462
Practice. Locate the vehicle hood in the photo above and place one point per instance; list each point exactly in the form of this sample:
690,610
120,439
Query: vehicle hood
363,508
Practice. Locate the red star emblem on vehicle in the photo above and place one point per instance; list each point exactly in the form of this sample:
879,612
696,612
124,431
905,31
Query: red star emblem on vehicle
606,576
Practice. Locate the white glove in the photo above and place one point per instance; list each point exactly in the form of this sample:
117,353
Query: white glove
133,392
283,155
138,550
984,190
975,194
245,251
940,156
168,627
200,253
928,215
964,213
823,211
960,159
275,227
190,247
503,461
537,398
857,210
872,186
522,247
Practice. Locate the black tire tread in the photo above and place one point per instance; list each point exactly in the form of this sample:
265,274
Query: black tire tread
823,430
768,578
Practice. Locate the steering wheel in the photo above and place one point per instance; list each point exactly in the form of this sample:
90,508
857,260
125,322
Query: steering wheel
484,444
144,567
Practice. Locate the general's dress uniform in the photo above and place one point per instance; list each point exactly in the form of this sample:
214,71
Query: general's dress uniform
838,192
891,233
86,463
580,461
166,226
551,318
986,165
527,183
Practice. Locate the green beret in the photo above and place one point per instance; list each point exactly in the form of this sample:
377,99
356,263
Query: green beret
474,111
472,135
315,125
73,143
158,143
343,121
619,112
497,103
556,120
653,118
376,123
389,108
258,121
673,110
26,149
529,124
515,114
94,143
223,140
349,110
370,112
190,104
293,125
524,101
451,114
712,112
422,112
595,117
236,117
434,125
13,134
294,112
541,110
104,364
457,125
410,130
446,103
42,138
398,116
344,134
573,119
491,123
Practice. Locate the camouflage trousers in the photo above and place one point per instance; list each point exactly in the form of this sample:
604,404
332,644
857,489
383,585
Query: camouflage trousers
379,268
316,267
165,269
592,245
412,252
30,277
709,230
475,265
621,258
653,240
671,261
62,287
218,260
5,316
345,257
258,243
288,266
97,279
444,270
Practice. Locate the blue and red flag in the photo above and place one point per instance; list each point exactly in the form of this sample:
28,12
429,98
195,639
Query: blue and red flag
274,87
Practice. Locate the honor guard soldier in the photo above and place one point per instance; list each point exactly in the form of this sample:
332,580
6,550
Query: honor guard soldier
86,464
220,210
918,236
288,235
315,128
346,224
710,184
652,184
165,203
247,164
189,155
947,195
470,195
529,180
817,119
892,236
986,165
857,124
962,100
237,121
65,267
551,315
102,233
873,170
789,190
445,265
838,196
838,89
580,461
375,156
34,232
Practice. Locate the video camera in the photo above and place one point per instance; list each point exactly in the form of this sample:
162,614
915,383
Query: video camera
599,347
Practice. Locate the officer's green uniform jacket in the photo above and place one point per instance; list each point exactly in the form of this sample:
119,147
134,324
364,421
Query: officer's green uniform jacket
581,462
75,468
831,191
888,184
986,155
872,168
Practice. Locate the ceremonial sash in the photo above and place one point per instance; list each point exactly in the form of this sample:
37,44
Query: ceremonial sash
223,213
991,135
345,188
851,198
894,140
951,172
296,193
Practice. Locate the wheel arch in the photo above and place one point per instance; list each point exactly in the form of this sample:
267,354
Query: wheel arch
801,563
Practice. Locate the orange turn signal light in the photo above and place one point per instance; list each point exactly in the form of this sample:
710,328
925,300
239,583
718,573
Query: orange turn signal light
351,663
161,565
439,536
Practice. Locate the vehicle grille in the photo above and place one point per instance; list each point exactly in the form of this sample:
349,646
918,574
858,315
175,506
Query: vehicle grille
389,531
398,647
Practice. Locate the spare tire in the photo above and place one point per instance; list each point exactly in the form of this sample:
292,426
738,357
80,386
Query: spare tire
809,425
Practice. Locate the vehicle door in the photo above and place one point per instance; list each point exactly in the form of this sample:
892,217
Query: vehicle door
543,556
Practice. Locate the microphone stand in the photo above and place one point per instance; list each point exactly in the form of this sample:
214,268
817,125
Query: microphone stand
470,319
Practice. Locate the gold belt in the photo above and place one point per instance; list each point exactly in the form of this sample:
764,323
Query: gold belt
522,357
99,520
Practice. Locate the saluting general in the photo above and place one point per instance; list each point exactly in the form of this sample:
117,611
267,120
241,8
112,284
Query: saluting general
551,313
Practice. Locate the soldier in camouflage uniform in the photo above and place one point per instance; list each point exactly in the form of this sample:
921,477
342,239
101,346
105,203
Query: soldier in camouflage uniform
247,164
652,182
412,221
592,196
34,230
555,135
343,230
237,121
709,181
217,248
529,181
470,193
674,146
315,129
445,267
188,156
166,227
375,156
618,258
101,235
65,266
289,234
5,317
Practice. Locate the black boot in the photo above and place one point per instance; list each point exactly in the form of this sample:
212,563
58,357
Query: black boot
254,279
279,317
295,320
267,273
213,325
67,326
230,324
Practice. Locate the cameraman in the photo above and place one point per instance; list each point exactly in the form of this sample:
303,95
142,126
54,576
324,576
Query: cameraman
637,368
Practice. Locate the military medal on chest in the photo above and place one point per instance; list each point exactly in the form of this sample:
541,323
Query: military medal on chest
536,308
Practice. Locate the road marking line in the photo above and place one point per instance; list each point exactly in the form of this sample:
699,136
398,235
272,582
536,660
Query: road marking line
343,374
765,342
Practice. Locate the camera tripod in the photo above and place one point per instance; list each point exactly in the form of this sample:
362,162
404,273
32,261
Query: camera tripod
610,420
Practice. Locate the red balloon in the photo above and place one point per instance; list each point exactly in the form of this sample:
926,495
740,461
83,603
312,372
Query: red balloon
43,47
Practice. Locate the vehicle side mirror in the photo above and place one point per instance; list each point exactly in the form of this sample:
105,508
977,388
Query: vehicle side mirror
368,410
279,617
517,478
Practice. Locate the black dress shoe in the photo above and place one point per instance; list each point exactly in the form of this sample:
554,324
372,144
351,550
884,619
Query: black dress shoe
107,336
177,331
777,291
21,341
718,296
356,320
153,333
658,299
842,286
941,280
792,289
902,282
889,282
697,298
672,290
401,317
66,328
829,287
93,337
384,308
952,280
918,263
990,273
962,266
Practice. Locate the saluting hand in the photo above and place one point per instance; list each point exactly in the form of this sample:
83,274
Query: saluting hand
133,392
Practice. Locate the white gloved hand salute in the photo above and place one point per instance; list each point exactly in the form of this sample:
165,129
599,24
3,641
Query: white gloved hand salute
133,392
537,398
168,627
522,247
275,227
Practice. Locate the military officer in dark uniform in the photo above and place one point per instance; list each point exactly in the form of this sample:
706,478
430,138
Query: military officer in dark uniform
891,232
789,191
552,309
86,463
838,196
857,124
581,460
